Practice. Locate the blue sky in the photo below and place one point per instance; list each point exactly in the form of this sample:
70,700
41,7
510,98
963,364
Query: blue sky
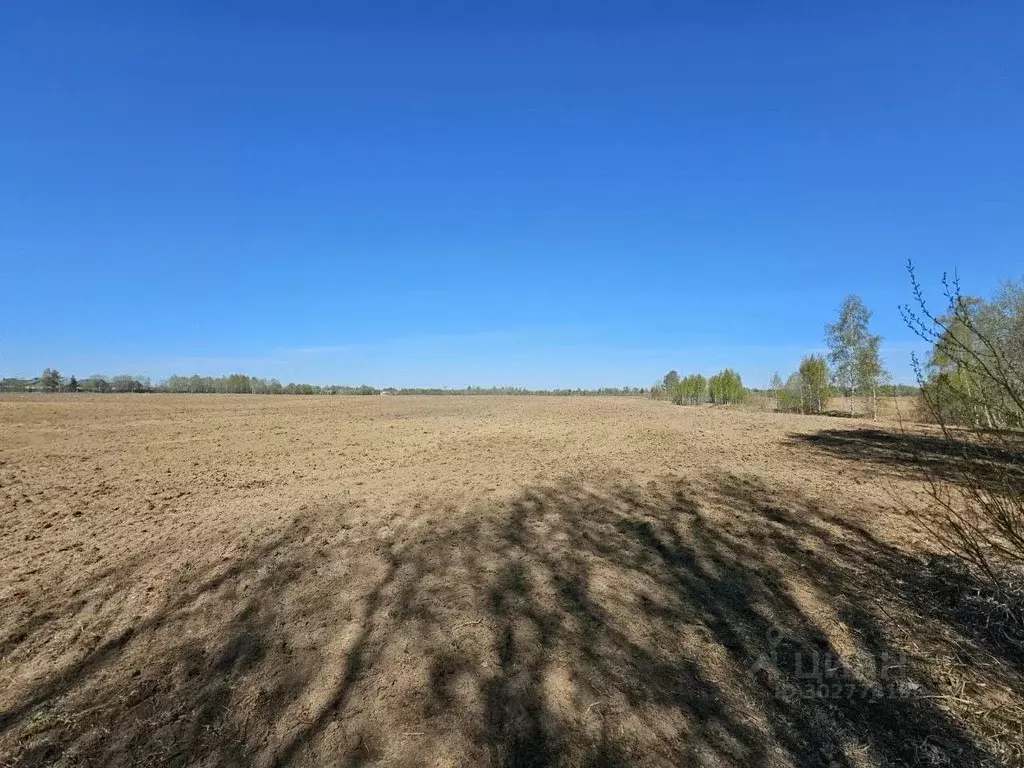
538,194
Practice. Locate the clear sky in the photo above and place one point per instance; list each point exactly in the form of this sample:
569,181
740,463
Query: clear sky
527,193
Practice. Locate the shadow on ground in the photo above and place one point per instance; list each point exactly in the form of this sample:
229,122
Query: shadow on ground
663,624
978,462
990,459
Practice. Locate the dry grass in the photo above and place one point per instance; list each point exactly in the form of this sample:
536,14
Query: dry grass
888,409
460,581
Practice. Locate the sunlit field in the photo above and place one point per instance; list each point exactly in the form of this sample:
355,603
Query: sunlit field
227,580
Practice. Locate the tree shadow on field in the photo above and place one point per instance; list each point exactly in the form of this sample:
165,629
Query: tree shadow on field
206,672
922,455
978,461
663,624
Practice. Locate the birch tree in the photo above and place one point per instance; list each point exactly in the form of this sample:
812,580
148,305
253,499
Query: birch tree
726,387
775,387
854,351
814,383
870,373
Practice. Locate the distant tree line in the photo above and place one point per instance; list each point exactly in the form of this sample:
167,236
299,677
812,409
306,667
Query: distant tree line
598,392
51,380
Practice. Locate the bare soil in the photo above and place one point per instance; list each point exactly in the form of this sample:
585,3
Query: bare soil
407,581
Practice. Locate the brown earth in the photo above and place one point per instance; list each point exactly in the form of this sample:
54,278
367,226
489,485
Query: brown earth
234,580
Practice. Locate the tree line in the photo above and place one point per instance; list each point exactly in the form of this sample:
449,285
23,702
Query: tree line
51,380
969,378
976,345
724,387
853,367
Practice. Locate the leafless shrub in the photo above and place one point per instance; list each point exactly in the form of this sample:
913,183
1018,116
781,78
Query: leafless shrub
973,389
